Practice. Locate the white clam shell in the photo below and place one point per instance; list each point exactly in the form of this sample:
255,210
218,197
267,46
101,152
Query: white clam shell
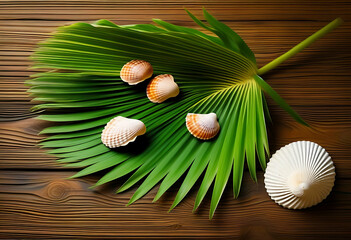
120,131
161,88
136,71
202,126
299,175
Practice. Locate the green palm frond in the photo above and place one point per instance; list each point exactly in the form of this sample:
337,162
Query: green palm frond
215,74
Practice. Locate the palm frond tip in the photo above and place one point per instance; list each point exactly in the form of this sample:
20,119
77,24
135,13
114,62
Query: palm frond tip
215,74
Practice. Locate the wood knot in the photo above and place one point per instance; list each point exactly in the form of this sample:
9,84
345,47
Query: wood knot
176,226
57,190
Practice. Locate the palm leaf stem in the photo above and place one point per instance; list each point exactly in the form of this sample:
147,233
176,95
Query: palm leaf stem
299,47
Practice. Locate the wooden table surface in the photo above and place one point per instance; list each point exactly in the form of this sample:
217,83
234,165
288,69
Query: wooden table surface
36,200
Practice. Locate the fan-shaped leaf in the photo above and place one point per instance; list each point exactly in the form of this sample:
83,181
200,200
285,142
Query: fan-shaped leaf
214,75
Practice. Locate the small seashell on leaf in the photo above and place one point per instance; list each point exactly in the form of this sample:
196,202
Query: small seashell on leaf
202,126
136,71
299,175
161,88
120,131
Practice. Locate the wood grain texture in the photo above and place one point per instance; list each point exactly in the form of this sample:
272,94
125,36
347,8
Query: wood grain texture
68,207
36,199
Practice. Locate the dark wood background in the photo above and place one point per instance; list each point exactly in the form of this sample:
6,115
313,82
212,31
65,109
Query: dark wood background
36,200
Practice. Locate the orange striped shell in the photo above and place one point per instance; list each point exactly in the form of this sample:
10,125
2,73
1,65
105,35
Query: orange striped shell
202,126
120,131
136,71
161,88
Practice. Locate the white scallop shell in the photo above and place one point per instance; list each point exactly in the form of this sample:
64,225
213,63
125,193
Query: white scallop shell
299,175
202,126
120,131
161,88
136,71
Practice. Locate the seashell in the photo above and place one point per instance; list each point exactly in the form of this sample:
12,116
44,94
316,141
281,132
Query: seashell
120,131
136,71
299,175
202,126
161,88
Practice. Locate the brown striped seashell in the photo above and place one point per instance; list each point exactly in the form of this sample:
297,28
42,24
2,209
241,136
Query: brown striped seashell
120,131
202,126
136,71
161,88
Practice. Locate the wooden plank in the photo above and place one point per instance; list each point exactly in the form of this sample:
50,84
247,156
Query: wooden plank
36,199
45,205
171,10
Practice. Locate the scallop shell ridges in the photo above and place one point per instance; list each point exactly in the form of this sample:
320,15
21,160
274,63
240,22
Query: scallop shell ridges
136,71
299,175
202,126
161,88
120,131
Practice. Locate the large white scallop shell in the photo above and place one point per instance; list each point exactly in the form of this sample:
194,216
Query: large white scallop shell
299,175
136,71
120,131
202,126
161,88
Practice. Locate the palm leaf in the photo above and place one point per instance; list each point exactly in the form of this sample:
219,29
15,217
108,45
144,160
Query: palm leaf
215,74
